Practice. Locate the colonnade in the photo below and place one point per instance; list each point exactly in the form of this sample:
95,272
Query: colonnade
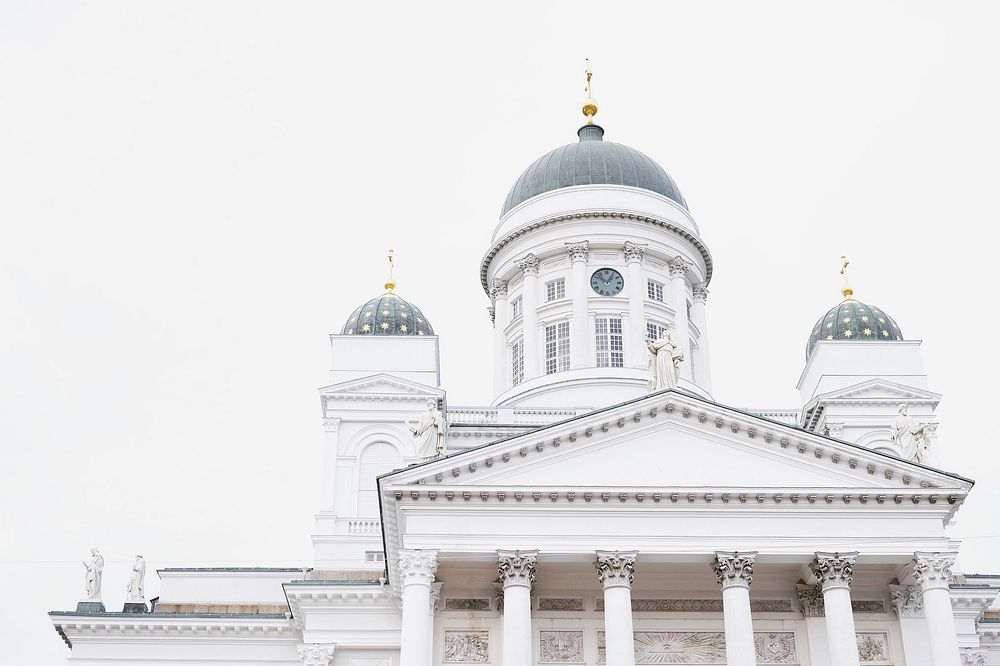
734,572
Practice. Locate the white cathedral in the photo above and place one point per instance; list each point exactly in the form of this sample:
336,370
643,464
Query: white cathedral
604,509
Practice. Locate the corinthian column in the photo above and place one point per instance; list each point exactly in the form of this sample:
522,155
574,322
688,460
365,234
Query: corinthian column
579,350
735,572
501,317
416,570
517,573
635,333
835,572
933,574
616,570
703,374
529,316
678,300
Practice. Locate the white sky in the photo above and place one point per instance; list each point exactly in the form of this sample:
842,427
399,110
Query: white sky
192,195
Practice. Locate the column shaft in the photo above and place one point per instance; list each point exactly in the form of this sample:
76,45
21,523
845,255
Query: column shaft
517,572
734,571
835,572
702,367
933,573
615,570
529,320
635,332
579,349
417,569
678,300
501,318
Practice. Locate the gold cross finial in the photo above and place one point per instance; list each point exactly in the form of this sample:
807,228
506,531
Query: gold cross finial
390,284
846,289
590,104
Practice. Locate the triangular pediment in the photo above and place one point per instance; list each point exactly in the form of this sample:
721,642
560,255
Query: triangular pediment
880,390
674,440
381,384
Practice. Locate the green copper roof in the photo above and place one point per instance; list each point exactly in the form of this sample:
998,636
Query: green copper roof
853,321
387,314
592,161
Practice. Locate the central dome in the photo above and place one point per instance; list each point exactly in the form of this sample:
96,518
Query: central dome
592,161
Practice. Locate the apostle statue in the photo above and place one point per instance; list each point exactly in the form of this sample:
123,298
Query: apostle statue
429,432
908,437
665,359
134,591
95,569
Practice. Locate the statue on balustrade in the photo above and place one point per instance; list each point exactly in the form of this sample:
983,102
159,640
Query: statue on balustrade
429,432
95,569
134,592
664,363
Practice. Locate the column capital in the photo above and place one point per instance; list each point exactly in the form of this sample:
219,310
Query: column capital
811,600
634,252
907,600
493,314
973,657
517,567
417,567
316,654
436,597
834,569
578,251
733,568
700,292
679,267
616,568
835,429
933,570
529,265
498,289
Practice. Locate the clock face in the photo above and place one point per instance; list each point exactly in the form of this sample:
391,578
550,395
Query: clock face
607,282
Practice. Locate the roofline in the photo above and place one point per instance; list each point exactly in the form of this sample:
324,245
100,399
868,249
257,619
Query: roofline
685,394
140,616
233,569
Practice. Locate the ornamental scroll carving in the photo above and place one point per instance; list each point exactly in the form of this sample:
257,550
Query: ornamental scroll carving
702,605
734,568
517,567
834,569
466,604
551,604
907,600
529,265
560,647
466,647
615,569
417,566
873,648
633,252
933,570
578,251
315,654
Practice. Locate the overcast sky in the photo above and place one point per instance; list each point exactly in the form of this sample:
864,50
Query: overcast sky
193,195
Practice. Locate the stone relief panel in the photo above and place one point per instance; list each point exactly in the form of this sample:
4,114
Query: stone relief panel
702,605
868,606
554,604
775,647
703,647
560,647
873,648
466,604
466,647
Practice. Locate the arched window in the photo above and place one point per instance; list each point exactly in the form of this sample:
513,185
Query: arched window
376,459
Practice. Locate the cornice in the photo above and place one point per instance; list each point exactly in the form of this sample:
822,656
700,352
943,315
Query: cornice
595,214
169,626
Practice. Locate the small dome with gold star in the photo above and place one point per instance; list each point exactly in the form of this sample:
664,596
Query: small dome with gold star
387,314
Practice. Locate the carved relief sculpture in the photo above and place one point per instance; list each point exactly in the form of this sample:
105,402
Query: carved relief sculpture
560,647
873,648
775,647
466,647
315,654
811,600
907,600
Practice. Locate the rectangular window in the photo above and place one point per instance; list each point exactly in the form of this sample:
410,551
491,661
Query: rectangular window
610,342
517,362
654,330
557,347
374,556
555,289
654,290
516,307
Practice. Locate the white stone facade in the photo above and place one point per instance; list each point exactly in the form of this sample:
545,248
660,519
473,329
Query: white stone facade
580,519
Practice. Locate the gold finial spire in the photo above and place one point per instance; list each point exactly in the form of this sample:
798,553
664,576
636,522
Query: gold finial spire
390,283
846,289
590,104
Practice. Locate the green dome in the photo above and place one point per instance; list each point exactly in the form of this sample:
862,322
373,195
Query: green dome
387,314
853,321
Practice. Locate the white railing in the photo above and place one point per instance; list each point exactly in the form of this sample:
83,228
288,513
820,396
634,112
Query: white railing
789,416
363,526
506,416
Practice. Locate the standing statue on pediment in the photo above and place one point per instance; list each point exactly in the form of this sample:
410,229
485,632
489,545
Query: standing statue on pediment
95,570
134,592
664,362
429,432
908,437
